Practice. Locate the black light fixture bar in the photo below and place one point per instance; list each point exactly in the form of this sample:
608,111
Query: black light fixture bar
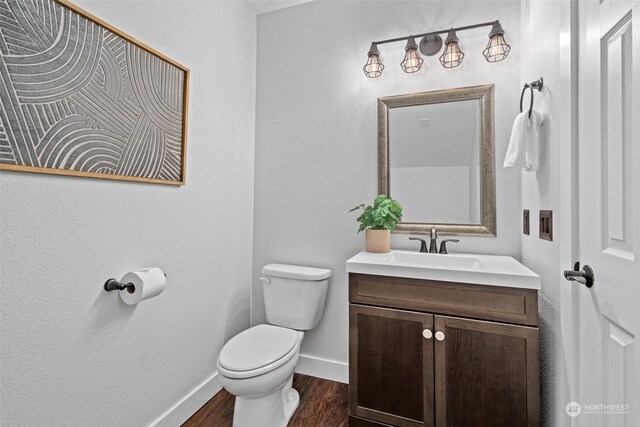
497,49
431,33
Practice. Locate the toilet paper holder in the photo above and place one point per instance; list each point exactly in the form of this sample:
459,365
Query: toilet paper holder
115,285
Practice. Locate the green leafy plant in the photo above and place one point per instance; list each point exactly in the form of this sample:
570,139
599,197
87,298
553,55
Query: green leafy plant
385,214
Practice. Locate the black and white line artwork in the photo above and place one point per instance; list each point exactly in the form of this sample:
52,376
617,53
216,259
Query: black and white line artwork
80,99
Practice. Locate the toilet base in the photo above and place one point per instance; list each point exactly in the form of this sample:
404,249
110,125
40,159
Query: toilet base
272,410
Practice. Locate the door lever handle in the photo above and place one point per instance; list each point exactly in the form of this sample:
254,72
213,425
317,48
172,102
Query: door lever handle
584,276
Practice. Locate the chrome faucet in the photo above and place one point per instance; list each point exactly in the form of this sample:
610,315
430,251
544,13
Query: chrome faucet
433,246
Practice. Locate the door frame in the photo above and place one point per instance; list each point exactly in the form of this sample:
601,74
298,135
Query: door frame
568,372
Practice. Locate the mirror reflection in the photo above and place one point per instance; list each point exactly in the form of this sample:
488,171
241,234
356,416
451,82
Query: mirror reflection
434,161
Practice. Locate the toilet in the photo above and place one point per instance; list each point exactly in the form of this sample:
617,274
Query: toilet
257,365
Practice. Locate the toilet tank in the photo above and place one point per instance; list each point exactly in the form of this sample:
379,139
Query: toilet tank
294,296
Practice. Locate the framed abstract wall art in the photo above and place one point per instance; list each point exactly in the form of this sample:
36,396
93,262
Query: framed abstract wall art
79,97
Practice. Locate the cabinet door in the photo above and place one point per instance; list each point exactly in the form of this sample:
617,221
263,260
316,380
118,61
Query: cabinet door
391,366
486,374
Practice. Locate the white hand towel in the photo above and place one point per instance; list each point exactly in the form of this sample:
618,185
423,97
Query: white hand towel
524,145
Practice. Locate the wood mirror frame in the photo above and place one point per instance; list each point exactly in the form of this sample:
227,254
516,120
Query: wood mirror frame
485,94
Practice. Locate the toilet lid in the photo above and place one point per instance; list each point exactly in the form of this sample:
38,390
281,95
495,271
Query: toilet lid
256,347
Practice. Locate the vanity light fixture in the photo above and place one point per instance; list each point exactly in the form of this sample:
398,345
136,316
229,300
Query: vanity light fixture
373,68
497,49
452,56
412,61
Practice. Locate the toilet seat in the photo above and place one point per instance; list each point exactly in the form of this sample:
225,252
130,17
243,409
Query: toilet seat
257,350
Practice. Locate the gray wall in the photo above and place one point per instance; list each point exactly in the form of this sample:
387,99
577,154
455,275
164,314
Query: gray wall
316,147
74,355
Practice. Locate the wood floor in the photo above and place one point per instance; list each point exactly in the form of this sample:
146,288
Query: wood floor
323,403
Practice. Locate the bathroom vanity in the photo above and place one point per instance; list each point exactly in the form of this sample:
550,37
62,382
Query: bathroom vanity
442,340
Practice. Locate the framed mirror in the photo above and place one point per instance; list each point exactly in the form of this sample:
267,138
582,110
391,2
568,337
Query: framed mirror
436,157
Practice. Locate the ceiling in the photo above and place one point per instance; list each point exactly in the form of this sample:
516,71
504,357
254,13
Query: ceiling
265,6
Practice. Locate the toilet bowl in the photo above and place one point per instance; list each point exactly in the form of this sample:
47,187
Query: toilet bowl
262,381
257,365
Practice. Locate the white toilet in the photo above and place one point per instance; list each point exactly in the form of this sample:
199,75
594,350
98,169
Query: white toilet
257,365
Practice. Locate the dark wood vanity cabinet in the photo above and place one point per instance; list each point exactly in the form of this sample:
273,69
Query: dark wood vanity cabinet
391,365
426,353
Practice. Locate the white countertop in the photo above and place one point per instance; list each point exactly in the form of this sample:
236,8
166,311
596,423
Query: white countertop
494,270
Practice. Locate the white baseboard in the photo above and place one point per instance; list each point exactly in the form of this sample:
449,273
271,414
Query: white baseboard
189,404
323,368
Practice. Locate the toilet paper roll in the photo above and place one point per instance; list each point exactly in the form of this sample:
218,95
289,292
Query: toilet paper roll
147,282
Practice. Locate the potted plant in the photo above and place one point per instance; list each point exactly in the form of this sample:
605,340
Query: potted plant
379,221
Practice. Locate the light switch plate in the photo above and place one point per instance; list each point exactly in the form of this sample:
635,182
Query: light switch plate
546,225
525,222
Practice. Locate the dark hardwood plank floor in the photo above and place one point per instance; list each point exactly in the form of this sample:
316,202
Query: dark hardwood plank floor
323,403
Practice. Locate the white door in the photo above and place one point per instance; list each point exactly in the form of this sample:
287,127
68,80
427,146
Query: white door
608,314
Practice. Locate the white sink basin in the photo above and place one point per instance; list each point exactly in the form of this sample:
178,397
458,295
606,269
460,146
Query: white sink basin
496,270
418,259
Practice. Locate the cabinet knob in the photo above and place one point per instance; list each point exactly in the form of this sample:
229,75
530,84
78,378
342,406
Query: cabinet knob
440,335
427,334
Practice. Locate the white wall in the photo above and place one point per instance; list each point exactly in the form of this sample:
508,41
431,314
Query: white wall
73,354
546,41
316,147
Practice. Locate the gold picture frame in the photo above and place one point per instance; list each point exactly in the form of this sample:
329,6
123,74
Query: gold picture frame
162,168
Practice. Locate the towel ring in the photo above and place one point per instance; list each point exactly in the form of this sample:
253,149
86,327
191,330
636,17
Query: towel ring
533,85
